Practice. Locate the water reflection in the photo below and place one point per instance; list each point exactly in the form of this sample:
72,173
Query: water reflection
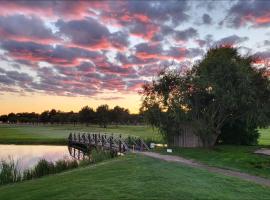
28,156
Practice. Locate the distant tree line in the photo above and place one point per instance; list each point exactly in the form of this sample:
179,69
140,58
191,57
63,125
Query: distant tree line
103,116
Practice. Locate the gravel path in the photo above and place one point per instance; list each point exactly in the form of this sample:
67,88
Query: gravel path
195,164
263,151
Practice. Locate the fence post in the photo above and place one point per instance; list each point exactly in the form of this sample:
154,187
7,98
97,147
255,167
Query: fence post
84,139
89,140
70,138
95,139
102,140
120,144
111,143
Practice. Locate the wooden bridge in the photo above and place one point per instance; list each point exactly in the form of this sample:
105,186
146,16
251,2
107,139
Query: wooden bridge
117,144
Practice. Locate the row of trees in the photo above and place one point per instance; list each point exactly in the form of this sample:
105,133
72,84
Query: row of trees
103,116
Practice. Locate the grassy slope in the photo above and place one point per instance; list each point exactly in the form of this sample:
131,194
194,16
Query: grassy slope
58,134
135,177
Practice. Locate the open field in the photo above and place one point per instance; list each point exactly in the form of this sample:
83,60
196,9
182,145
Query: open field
57,134
135,177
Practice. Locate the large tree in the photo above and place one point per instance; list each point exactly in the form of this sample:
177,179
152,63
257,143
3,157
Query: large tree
119,115
87,115
103,115
220,90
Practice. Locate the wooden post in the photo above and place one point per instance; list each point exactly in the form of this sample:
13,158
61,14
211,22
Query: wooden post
70,138
102,140
89,139
74,137
95,139
120,144
84,139
111,143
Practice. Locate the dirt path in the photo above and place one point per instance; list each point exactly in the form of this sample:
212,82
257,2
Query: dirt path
192,163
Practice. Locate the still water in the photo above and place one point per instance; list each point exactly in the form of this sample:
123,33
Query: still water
27,156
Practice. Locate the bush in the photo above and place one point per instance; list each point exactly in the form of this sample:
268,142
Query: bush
98,156
9,172
239,133
63,165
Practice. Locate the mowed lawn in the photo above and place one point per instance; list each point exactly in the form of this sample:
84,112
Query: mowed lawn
135,177
264,136
237,158
57,134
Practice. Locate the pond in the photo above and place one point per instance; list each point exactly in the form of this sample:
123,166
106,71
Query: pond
27,156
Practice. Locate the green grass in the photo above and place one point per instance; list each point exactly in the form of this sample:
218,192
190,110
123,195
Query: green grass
239,158
135,177
264,136
57,134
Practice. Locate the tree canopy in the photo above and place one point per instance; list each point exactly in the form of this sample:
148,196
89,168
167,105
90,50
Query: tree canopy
223,89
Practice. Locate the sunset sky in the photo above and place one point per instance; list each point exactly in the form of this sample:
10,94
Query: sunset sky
68,54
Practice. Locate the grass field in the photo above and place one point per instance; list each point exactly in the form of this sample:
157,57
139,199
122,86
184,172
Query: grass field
239,158
135,177
57,134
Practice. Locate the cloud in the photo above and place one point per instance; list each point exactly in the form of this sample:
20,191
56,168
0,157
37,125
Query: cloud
231,40
23,28
244,12
11,77
47,9
91,34
266,42
263,54
186,34
206,19
34,52
155,11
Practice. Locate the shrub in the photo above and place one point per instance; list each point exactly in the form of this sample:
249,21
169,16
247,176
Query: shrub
98,156
9,172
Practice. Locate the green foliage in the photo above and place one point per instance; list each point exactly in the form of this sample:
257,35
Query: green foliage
103,115
98,155
87,115
9,172
221,89
239,133
119,115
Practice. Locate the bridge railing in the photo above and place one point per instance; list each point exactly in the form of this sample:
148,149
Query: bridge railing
108,141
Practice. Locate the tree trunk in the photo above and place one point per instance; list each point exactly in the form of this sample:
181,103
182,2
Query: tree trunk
209,140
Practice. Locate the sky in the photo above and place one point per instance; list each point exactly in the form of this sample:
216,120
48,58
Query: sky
68,54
